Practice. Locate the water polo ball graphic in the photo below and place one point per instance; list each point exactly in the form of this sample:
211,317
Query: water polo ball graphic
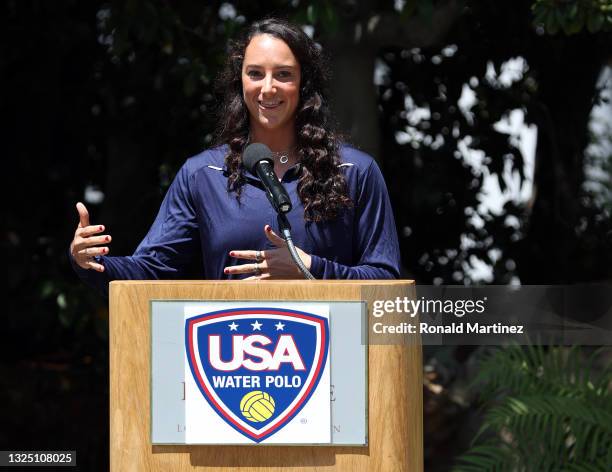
257,406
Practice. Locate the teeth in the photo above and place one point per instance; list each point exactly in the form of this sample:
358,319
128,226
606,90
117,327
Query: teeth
269,104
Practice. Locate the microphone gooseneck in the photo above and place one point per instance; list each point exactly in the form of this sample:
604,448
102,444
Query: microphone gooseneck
285,229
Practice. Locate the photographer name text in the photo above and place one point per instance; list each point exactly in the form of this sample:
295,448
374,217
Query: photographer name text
451,328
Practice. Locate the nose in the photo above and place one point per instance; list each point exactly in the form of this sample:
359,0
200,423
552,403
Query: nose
268,84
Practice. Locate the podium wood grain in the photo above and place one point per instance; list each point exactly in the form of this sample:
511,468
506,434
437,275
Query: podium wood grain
395,386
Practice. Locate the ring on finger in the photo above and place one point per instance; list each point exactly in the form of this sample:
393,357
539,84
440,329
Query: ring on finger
90,252
257,269
258,256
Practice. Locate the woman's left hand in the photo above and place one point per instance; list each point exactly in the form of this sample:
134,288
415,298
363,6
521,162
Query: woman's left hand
275,263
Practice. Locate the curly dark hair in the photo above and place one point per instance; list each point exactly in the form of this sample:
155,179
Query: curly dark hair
322,187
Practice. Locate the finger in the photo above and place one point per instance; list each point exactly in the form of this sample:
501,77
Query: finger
89,230
95,266
94,251
245,268
273,237
83,215
265,275
250,255
82,243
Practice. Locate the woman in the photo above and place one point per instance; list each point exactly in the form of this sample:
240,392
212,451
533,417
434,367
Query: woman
342,221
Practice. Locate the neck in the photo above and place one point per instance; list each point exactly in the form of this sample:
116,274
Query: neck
277,140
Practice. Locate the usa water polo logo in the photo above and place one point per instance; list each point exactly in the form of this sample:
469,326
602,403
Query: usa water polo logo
257,367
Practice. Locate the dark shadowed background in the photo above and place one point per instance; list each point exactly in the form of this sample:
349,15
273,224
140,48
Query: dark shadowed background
488,119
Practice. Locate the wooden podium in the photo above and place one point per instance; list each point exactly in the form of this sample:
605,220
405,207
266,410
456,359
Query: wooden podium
395,439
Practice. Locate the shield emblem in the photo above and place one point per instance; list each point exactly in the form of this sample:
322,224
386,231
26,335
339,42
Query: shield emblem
257,367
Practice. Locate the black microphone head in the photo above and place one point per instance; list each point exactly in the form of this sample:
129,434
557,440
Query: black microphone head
254,153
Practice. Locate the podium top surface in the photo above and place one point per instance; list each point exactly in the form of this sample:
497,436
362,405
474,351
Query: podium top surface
293,282
260,290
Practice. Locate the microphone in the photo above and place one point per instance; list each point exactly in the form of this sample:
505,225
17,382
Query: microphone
258,160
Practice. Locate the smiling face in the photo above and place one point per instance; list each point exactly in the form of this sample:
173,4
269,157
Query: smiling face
270,84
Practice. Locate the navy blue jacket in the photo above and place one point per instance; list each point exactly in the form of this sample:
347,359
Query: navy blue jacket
199,218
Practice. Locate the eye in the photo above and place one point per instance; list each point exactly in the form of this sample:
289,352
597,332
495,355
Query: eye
254,74
284,74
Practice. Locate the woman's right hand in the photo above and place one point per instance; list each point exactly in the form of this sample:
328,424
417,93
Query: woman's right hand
86,244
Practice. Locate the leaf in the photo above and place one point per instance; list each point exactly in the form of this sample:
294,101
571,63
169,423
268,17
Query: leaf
329,19
489,456
189,84
595,21
47,289
300,16
539,14
561,18
408,9
61,301
426,10
311,14
552,26
576,23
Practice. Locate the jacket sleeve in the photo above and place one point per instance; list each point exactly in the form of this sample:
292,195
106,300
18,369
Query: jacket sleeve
167,249
377,253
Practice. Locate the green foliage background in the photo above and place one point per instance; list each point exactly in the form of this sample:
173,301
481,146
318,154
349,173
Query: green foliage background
545,410
115,95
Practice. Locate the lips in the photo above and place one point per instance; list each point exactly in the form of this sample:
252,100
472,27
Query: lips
269,105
